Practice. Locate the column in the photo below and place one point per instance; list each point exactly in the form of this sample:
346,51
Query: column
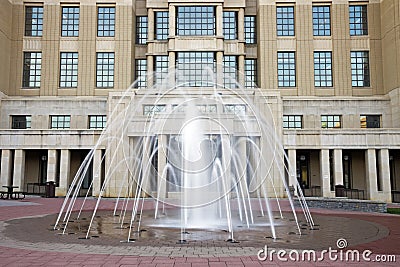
241,74
219,14
146,165
386,194
242,164
338,167
97,172
19,169
240,24
150,74
6,167
151,24
51,165
172,68
65,160
226,161
162,163
370,165
325,173
292,168
220,70
172,20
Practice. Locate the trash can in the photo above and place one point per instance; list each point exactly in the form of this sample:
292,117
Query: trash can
50,189
339,190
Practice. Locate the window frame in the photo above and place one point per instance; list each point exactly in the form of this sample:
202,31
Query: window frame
331,121
65,123
250,30
141,73
323,74
286,68
292,121
185,26
74,21
320,27
235,109
25,122
29,31
230,25
197,62
106,22
361,28
250,73
161,65
70,81
359,69
372,123
285,22
99,119
142,29
151,110
161,25
231,70
106,70
27,69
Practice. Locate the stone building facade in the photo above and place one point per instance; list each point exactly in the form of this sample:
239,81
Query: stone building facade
332,68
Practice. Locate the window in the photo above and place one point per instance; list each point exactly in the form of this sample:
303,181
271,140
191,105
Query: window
360,69
235,109
230,25
161,68
162,25
250,29
331,121
370,121
150,110
106,21
285,21
60,122
21,122
141,73
33,21
250,70
322,20
358,20
286,69
69,69
322,69
195,69
70,21
230,71
141,29
207,108
196,20
105,70
97,121
32,69
292,121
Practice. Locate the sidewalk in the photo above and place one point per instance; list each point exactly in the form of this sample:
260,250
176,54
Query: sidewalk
11,255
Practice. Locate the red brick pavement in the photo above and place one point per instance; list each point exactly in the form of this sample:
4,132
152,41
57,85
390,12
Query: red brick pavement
21,257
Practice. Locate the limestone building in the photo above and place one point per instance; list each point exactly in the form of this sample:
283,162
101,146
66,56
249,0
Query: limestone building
332,68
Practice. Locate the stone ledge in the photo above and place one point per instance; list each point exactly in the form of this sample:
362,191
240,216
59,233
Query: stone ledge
345,204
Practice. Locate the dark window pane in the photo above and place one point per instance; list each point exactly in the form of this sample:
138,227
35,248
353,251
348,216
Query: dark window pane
33,21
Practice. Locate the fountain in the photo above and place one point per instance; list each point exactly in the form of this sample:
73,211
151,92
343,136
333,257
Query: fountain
206,155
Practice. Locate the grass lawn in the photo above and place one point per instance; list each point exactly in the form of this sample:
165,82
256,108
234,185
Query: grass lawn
393,210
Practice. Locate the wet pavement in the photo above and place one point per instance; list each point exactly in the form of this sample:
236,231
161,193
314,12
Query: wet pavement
27,239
